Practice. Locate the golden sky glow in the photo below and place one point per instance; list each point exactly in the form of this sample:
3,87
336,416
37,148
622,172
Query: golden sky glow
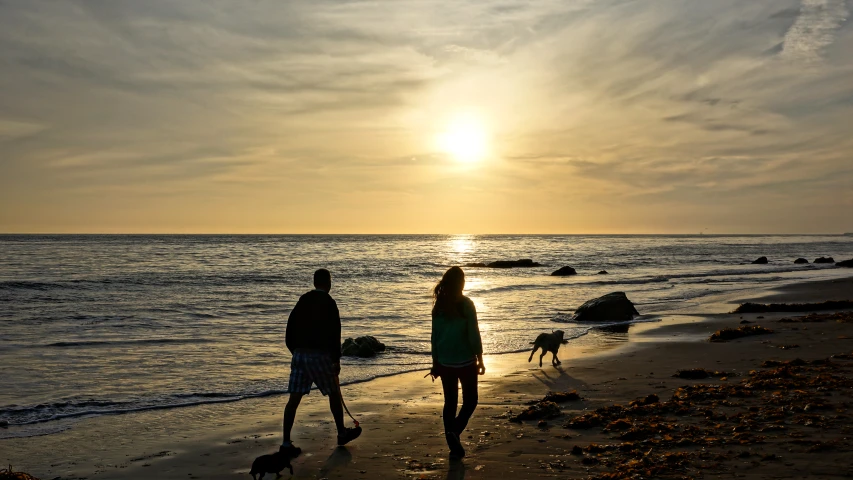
578,116
465,139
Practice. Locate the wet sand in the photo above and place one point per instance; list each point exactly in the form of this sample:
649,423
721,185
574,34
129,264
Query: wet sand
810,292
403,437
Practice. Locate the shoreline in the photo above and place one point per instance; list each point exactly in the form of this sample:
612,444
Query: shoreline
400,412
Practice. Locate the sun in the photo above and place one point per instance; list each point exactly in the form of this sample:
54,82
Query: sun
465,139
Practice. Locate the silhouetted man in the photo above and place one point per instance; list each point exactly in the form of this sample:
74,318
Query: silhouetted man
314,339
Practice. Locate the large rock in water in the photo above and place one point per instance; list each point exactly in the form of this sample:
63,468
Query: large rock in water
801,261
564,272
760,261
613,306
824,260
845,263
364,347
523,263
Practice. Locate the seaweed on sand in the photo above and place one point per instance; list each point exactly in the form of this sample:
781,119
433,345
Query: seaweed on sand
727,334
790,405
560,397
541,410
701,373
8,474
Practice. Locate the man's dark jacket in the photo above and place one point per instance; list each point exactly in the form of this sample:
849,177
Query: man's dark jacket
315,324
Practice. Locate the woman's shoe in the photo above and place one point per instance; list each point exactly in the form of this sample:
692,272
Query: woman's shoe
456,450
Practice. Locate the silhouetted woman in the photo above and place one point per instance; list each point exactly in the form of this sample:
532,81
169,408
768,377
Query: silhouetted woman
457,354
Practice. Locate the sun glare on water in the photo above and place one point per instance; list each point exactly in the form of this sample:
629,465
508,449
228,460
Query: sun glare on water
464,139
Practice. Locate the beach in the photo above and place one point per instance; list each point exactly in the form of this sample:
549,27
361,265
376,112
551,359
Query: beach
402,426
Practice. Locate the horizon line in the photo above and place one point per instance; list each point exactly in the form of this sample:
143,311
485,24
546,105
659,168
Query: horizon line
700,234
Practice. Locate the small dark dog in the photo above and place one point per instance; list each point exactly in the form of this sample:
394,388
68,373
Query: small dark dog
548,342
274,463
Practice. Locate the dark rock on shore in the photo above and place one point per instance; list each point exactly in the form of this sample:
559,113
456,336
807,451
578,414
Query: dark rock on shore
824,260
760,261
845,263
564,272
523,263
800,261
613,306
364,347
793,307
603,272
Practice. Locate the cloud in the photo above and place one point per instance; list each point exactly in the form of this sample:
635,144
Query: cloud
12,129
815,29
600,106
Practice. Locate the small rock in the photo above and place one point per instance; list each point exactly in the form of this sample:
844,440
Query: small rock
364,347
760,261
542,424
824,260
4,424
801,261
603,272
564,272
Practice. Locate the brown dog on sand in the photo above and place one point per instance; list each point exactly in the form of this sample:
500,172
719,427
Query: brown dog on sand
548,342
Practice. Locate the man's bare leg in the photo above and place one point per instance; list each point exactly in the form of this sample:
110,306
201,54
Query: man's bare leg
290,416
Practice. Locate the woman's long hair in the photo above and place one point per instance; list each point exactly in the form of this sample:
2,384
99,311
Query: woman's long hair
448,292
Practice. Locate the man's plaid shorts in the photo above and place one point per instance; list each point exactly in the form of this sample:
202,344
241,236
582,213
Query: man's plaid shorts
312,367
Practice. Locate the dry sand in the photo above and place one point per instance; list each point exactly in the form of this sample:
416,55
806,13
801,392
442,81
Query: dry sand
403,437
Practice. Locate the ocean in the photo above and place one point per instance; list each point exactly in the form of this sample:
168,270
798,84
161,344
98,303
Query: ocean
109,324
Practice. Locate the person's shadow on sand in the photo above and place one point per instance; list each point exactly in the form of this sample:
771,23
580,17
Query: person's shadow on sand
340,457
456,471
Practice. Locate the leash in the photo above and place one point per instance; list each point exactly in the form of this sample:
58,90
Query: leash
338,380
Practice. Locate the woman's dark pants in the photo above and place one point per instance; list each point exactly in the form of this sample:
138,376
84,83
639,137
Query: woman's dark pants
450,379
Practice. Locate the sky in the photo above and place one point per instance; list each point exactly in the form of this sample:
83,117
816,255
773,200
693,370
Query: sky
586,116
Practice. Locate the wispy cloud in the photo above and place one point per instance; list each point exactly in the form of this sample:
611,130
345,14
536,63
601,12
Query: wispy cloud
282,115
815,29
